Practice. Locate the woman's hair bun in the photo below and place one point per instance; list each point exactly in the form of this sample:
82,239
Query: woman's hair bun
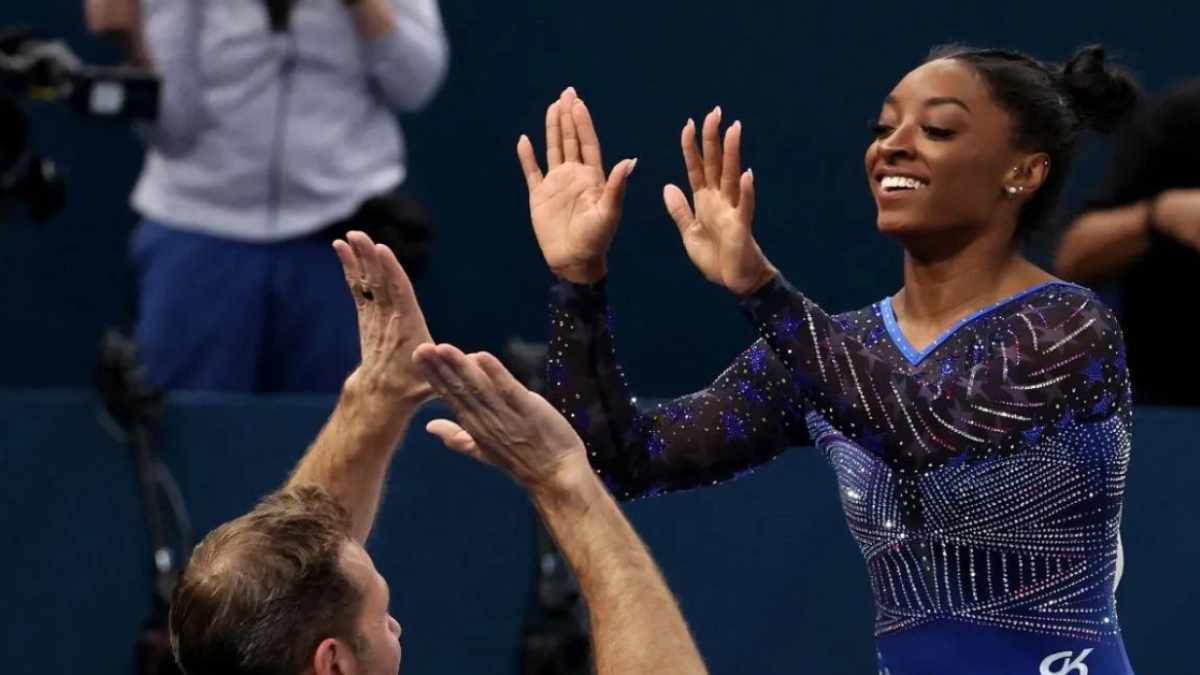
1104,95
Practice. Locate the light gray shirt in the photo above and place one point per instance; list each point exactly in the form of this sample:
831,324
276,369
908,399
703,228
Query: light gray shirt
266,136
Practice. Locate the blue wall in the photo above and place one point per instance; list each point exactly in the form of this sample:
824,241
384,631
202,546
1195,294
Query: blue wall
803,76
765,569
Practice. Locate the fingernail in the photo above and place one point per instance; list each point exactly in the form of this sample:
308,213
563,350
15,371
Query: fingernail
738,124
718,111
572,90
751,172
632,166
578,101
691,124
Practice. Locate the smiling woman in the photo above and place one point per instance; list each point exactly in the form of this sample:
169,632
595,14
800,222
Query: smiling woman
978,116
978,421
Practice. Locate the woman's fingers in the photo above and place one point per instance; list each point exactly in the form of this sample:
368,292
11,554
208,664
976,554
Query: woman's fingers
691,157
554,152
529,163
566,121
711,138
589,140
731,172
677,205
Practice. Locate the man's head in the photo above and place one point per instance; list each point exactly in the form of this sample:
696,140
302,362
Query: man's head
284,590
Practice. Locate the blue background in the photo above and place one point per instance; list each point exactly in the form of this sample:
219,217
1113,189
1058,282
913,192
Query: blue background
804,77
766,572
764,568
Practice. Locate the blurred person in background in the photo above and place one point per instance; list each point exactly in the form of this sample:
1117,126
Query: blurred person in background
289,587
1142,231
277,133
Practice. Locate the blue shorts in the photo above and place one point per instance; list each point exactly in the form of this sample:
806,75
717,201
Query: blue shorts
958,648
221,315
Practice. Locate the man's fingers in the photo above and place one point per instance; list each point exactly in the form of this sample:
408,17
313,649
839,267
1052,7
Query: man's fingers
441,377
399,287
375,289
509,388
349,262
455,437
473,382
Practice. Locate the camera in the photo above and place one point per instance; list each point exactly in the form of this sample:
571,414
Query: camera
36,66
26,176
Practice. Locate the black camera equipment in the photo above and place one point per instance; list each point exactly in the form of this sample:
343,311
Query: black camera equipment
555,641
34,65
134,407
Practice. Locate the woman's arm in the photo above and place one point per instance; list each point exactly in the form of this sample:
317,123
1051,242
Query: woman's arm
748,416
1060,358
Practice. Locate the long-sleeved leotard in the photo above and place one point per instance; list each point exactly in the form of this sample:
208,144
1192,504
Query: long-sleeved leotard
982,477
745,418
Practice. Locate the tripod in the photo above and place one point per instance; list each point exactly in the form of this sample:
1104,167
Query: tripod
133,411
555,641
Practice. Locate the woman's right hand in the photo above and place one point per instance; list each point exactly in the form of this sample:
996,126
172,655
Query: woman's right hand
575,209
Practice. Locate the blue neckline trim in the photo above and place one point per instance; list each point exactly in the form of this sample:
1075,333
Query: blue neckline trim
916,356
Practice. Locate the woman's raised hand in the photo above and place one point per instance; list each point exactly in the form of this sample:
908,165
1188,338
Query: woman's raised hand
717,234
575,208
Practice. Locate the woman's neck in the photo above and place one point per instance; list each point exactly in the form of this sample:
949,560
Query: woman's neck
941,290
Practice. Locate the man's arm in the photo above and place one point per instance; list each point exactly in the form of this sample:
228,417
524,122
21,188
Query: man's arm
636,625
351,455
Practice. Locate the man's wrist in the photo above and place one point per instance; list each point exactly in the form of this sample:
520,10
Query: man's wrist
396,398
572,484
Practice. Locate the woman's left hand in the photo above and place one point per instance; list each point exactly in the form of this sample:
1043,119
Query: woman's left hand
717,235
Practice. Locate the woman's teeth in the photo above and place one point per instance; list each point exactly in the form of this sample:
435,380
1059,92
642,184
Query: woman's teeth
902,183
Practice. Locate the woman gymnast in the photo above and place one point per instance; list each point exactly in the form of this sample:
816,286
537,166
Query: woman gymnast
978,420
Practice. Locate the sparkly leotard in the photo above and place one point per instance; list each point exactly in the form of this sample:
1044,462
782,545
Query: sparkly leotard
982,477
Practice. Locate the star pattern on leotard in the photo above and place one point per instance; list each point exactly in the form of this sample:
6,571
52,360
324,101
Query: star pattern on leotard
1094,371
787,326
983,484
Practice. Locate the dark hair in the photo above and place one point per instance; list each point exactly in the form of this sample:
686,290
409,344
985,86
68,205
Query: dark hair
1051,107
261,592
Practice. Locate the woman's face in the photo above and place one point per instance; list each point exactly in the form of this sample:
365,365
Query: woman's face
942,156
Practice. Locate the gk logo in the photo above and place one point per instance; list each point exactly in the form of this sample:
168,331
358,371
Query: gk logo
1069,665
